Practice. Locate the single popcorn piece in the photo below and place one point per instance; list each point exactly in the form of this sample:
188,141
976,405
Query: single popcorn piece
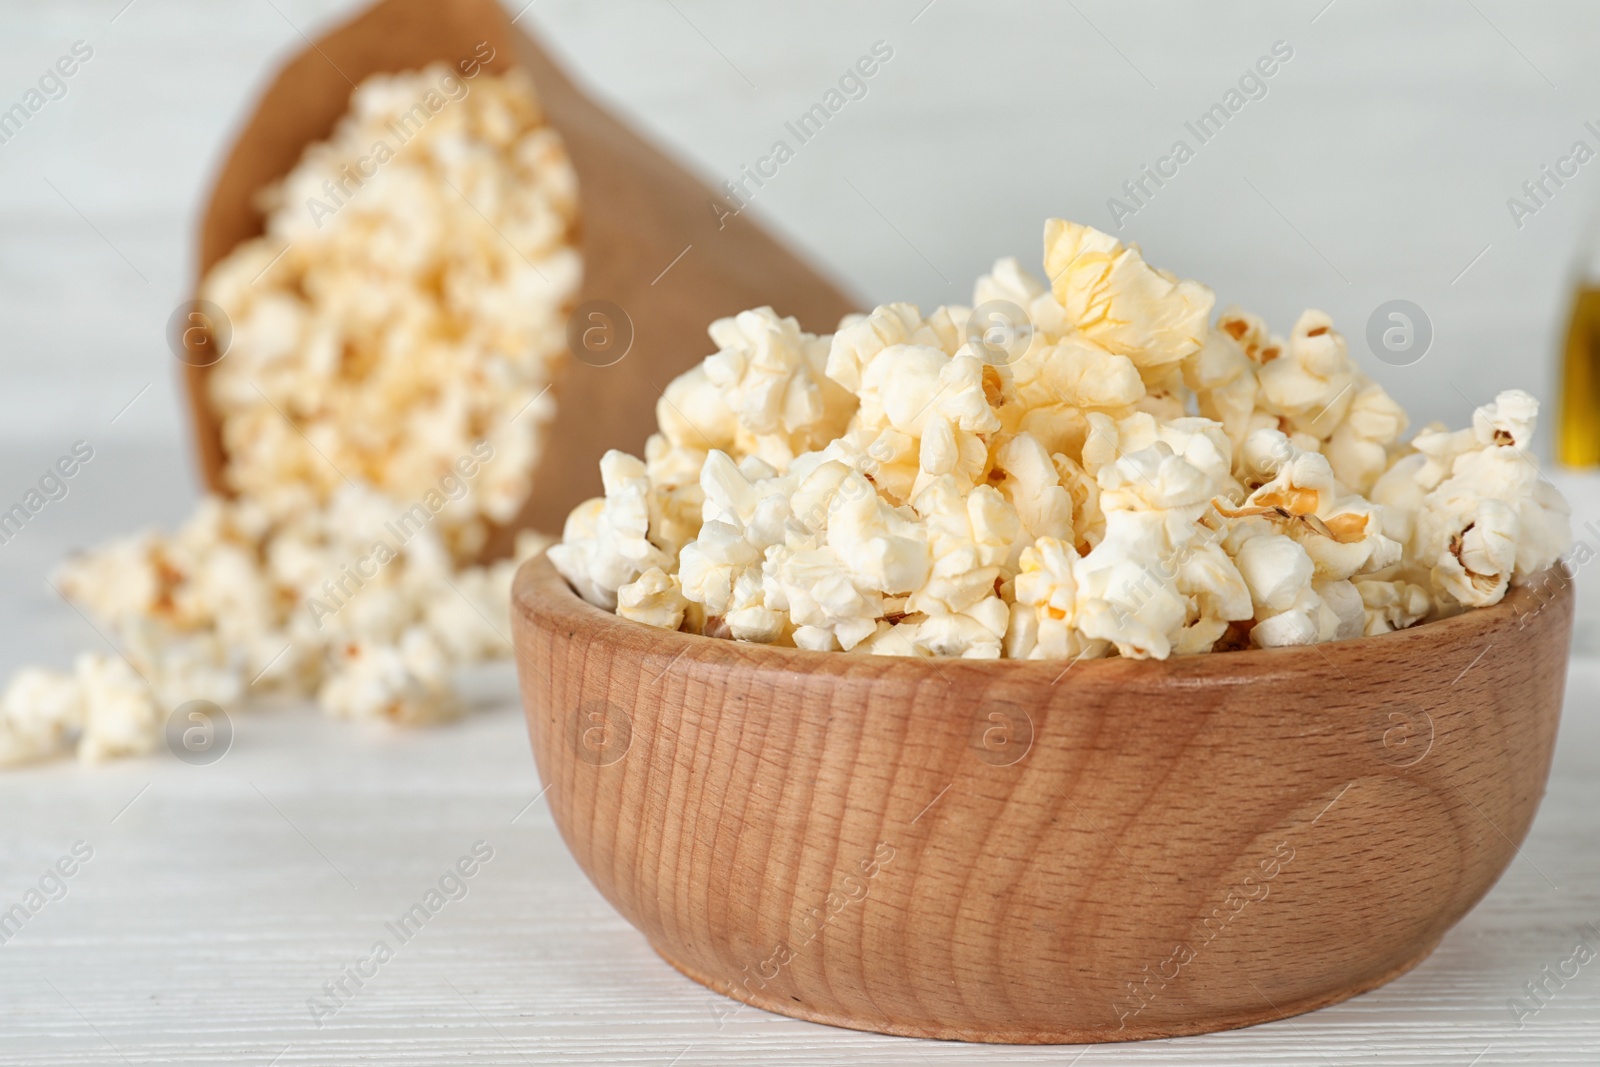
974,633
120,716
1390,604
1473,542
1026,476
921,394
1111,296
713,562
41,713
1276,569
694,419
1116,476
1009,281
816,588
885,550
654,598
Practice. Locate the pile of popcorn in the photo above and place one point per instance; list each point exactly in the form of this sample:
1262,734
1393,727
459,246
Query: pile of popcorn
395,321
1090,468
394,335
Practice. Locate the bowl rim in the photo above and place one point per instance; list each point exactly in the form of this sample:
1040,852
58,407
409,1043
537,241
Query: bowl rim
538,585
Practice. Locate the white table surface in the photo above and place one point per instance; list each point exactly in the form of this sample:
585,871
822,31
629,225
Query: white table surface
220,898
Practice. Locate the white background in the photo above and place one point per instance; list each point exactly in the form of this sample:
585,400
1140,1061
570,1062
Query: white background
1377,167
1390,142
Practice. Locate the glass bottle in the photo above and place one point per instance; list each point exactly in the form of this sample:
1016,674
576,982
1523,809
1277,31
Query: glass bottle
1578,427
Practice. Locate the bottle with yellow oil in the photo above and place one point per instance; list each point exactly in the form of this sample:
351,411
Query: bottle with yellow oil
1578,430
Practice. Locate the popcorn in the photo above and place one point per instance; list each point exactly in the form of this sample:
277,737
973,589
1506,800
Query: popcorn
1008,281
1121,601
1281,577
1218,596
396,334
1313,382
861,338
1087,376
770,376
399,309
1389,605
1224,382
694,419
606,545
1358,448
1043,622
713,562
1025,474
820,594
1508,421
40,713
748,617
467,622
919,392
1342,534
1130,479
1162,583
885,550
1250,333
404,682
120,717
1111,296
975,633
1276,569
230,605
970,542
1491,518
655,598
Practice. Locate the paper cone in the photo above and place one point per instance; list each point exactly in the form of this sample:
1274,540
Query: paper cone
640,210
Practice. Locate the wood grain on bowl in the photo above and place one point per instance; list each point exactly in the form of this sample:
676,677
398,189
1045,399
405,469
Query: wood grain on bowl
1042,852
642,213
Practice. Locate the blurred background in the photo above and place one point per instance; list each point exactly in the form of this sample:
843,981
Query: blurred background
1377,163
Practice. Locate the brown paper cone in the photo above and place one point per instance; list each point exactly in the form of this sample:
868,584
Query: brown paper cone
640,212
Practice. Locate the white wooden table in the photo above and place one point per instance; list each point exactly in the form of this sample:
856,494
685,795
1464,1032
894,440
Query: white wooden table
220,898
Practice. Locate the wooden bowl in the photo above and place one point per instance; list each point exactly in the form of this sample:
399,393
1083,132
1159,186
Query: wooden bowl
1031,852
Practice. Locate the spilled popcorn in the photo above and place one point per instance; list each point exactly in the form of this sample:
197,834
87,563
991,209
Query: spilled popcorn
1125,475
395,333
395,321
